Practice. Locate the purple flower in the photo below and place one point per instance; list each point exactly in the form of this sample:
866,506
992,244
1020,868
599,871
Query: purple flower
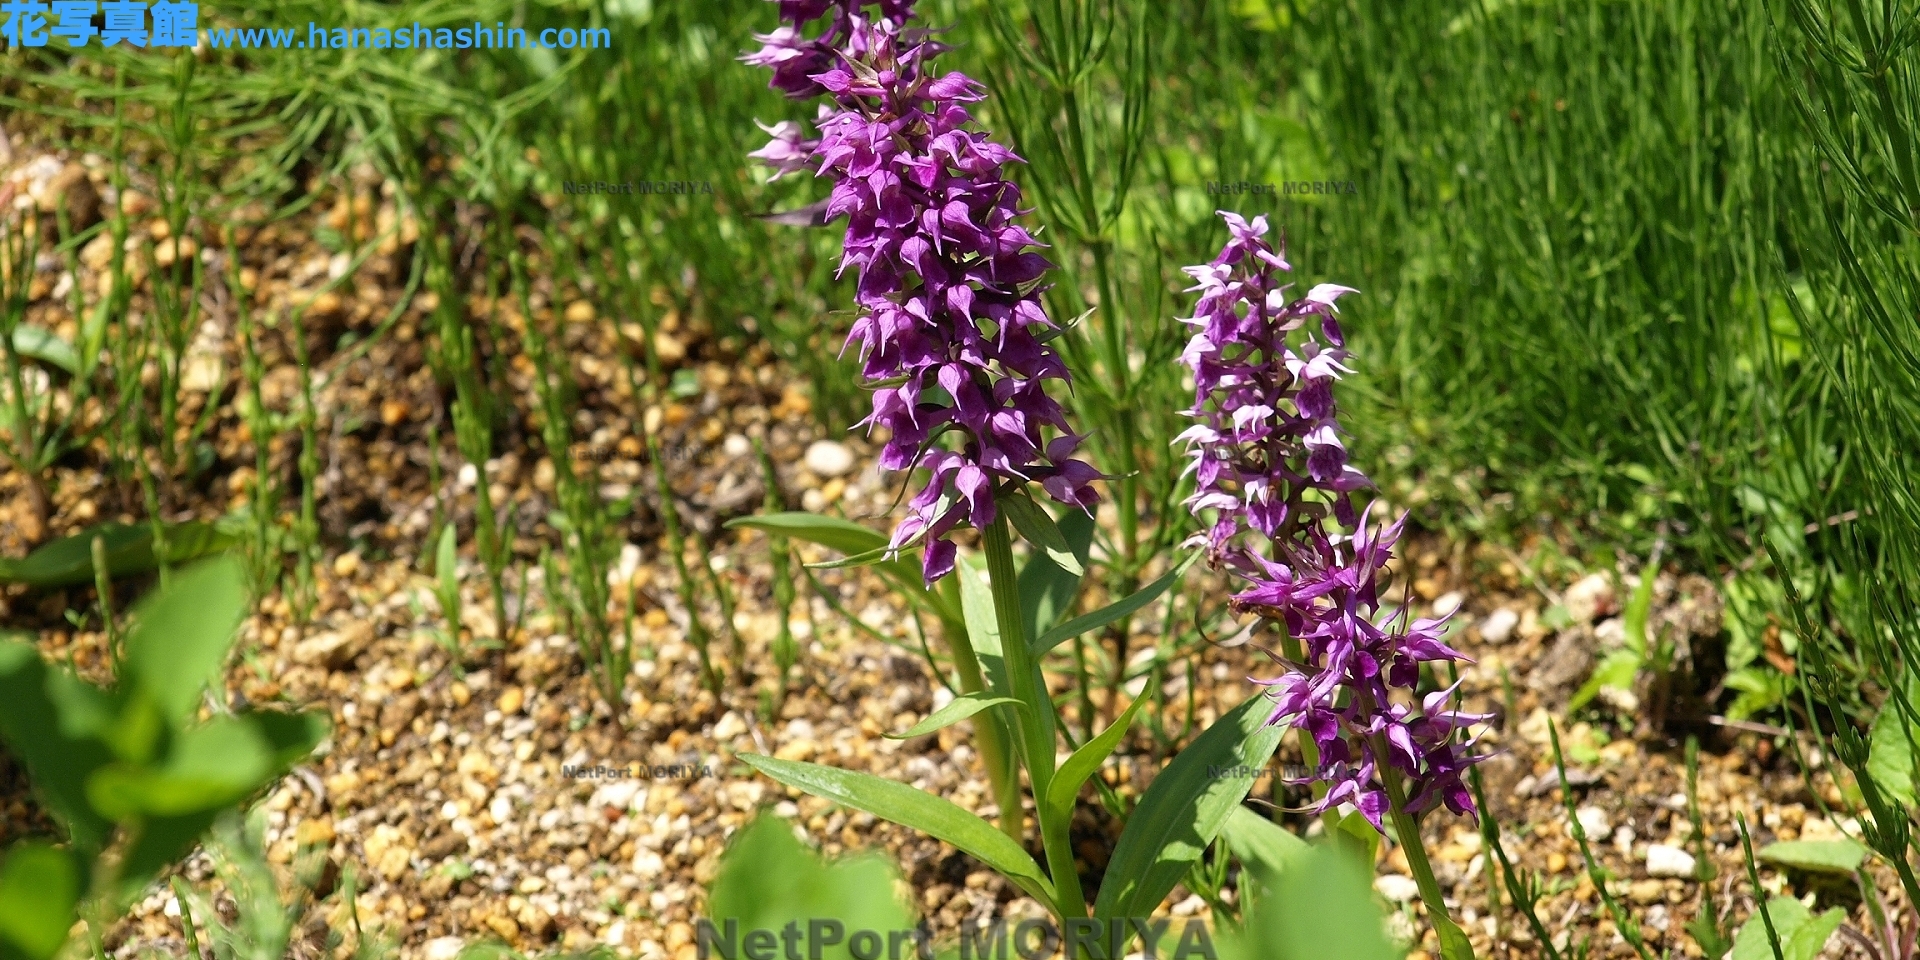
949,287
1268,457
797,60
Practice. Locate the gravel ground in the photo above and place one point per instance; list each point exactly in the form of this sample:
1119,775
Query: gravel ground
445,791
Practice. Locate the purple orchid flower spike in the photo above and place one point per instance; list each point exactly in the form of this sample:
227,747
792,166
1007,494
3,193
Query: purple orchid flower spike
951,320
1270,463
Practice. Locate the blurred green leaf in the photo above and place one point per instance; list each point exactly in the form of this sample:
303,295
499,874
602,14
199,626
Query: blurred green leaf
1615,672
1321,908
1802,935
1818,856
1890,755
769,879
40,887
1761,689
68,562
1634,617
207,767
58,760
1265,848
46,347
182,635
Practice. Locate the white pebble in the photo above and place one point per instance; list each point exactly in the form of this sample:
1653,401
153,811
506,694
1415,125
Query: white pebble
1498,627
736,445
1623,841
1448,603
1589,598
730,726
443,948
1594,821
618,794
1397,888
829,458
1665,861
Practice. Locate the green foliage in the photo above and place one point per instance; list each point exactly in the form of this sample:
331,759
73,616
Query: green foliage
132,761
1263,847
1185,808
1801,934
68,561
769,879
1321,908
962,707
1818,856
1890,760
39,888
1116,611
909,807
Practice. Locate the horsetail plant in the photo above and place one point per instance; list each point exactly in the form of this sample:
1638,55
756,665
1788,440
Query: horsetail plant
785,651
584,594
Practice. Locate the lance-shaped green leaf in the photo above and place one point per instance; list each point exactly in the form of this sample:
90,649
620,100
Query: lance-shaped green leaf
843,536
1046,590
902,804
1184,810
68,562
1267,848
1111,612
1086,761
46,347
861,545
1037,526
1818,856
962,707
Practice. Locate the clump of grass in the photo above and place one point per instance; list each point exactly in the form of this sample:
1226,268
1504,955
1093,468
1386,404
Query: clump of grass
586,534
455,357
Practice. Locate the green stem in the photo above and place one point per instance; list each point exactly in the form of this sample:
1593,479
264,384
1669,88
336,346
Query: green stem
1033,717
1453,943
990,733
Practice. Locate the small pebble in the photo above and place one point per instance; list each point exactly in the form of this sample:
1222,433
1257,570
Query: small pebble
1666,861
829,458
1590,597
730,726
443,948
1498,627
1594,821
1397,888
